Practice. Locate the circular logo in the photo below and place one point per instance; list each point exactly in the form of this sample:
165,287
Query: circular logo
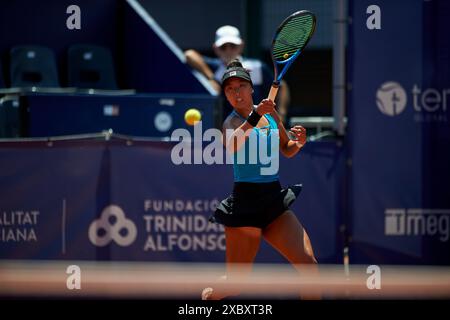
391,98
163,121
121,230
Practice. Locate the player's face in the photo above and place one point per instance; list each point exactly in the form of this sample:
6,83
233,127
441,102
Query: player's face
228,52
238,92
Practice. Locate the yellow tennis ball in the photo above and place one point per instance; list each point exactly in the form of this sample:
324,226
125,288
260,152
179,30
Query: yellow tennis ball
285,55
192,116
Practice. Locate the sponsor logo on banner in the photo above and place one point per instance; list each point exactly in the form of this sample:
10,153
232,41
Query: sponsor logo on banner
417,222
170,224
112,226
175,224
429,104
391,98
163,121
18,225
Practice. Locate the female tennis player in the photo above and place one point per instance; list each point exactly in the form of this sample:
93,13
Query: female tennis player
258,206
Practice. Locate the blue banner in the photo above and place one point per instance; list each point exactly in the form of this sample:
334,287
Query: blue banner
400,207
126,200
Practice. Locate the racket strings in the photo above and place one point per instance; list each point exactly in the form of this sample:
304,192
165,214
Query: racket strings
293,37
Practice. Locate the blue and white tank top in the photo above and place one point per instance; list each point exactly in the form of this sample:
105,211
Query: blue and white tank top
258,159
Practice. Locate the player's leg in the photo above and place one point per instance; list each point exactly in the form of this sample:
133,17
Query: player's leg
287,235
242,245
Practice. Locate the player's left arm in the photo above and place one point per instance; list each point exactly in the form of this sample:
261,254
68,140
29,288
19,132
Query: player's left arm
288,147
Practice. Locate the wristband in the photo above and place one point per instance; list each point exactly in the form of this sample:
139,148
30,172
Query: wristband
253,118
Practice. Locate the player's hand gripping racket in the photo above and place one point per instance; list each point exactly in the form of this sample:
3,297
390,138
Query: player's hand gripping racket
290,39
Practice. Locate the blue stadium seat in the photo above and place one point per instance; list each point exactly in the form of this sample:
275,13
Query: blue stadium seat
91,67
33,66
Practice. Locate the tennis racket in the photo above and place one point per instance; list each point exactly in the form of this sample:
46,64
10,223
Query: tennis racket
290,39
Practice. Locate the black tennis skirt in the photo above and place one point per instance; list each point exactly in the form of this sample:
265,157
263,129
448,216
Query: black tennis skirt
255,204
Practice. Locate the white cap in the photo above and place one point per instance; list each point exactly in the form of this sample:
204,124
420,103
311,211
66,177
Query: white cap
228,34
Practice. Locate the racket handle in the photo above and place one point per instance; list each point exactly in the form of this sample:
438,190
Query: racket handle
273,91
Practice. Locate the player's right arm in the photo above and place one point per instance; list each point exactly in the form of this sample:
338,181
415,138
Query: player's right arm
236,130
